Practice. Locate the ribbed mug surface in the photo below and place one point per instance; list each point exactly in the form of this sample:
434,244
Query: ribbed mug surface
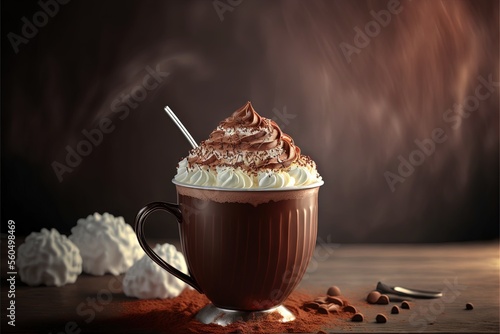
248,256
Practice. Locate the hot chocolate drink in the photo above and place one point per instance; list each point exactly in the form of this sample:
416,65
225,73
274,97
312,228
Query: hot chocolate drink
247,212
248,250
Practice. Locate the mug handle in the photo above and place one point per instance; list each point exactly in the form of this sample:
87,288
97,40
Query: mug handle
140,219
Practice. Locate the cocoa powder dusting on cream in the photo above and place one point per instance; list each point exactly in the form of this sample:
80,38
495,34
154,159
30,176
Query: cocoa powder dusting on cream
177,315
248,141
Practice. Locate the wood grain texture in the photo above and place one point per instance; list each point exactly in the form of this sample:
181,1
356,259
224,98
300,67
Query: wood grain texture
356,269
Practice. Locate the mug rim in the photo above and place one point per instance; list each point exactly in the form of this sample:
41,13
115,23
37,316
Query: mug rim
309,186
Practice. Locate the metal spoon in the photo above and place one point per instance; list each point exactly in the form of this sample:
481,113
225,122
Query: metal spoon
400,291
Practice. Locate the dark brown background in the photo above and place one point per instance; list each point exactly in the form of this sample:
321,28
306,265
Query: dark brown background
354,119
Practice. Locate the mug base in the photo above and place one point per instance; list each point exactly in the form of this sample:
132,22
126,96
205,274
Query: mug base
211,314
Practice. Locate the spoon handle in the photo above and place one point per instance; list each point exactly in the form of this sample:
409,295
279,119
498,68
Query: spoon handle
401,291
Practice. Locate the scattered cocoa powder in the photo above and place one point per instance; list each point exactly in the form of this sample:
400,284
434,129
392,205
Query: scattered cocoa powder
177,315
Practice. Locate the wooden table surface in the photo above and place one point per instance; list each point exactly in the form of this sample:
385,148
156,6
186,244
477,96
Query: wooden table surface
465,272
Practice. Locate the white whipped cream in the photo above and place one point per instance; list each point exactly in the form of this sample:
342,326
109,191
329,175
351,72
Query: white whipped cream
247,151
107,244
230,177
271,179
147,280
48,258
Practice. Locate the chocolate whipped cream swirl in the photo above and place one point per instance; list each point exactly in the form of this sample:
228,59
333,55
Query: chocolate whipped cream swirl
247,151
246,140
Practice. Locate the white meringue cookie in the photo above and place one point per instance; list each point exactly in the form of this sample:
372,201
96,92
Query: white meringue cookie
147,280
48,258
107,244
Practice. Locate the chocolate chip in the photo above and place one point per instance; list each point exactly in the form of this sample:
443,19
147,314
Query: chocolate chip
323,309
335,300
373,297
311,305
321,332
395,310
405,305
333,291
349,309
334,308
321,300
358,317
469,306
380,318
383,300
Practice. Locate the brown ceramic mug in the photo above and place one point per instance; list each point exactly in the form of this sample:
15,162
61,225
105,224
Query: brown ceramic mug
245,249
